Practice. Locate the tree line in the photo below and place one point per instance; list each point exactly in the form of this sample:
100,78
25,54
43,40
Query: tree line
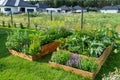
84,3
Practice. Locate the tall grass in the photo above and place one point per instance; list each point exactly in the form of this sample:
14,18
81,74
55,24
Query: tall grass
68,20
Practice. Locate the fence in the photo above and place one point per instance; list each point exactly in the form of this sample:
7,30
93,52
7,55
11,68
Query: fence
29,24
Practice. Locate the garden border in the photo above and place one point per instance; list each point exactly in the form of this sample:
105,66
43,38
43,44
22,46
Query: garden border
45,49
88,74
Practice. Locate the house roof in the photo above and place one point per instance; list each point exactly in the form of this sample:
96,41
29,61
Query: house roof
110,8
15,3
118,6
42,5
65,7
77,7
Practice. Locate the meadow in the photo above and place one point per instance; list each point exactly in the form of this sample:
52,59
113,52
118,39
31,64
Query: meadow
91,20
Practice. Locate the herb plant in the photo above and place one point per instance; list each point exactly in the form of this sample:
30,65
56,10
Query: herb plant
60,56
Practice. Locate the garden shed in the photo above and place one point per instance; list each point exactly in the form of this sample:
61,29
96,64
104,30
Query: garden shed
16,6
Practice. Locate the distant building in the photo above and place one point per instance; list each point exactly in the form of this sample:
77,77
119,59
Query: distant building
110,9
42,7
65,9
53,10
16,6
78,9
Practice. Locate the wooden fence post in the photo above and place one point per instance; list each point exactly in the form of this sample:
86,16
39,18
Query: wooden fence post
28,20
82,16
11,16
51,15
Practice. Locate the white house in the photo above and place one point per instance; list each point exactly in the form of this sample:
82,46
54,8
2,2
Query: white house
78,9
16,6
54,10
110,9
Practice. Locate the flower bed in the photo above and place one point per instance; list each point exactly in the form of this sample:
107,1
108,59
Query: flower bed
46,49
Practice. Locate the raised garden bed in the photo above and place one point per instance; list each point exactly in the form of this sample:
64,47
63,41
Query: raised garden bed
46,49
84,73
32,45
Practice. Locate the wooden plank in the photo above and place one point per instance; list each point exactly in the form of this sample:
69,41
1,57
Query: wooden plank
104,56
46,49
73,70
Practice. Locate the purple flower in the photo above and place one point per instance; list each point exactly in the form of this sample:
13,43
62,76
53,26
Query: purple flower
74,61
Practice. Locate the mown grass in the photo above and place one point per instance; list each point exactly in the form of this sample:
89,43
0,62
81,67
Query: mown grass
15,68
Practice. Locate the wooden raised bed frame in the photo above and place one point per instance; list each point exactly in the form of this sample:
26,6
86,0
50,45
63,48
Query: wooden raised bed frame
45,49
90,75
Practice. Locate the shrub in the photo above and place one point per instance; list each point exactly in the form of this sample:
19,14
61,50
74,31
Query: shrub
60,56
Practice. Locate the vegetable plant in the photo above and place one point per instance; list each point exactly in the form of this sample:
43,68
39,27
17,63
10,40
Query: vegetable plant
90,42
60,56
30,42
74,60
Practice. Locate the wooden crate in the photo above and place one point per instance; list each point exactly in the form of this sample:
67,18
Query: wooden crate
88,74
46,49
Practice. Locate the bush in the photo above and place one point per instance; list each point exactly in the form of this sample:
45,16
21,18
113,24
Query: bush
60,56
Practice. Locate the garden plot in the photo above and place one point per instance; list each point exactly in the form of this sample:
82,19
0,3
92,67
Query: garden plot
33,45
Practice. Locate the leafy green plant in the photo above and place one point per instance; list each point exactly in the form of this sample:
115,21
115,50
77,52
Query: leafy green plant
88,65
34,47
60,56
90,42
30,43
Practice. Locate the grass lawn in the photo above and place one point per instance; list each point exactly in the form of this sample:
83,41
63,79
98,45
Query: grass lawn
15,68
